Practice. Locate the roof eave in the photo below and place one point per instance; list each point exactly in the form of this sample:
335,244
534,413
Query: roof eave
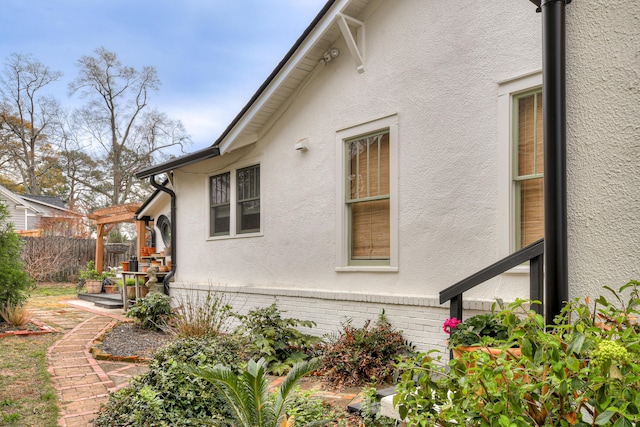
188,159
214,150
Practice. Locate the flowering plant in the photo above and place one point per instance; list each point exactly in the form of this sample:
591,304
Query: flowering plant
475,330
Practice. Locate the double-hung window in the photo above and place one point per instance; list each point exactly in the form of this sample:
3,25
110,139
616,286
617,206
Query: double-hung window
367,197
235,202
529,167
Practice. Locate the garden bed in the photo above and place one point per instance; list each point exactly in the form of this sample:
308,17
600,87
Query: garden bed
33,327
128,342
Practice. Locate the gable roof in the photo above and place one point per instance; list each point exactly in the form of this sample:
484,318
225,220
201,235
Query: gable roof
333,20
51,201
9,195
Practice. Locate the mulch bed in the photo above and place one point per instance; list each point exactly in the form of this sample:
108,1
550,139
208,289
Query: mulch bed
33,327
129,342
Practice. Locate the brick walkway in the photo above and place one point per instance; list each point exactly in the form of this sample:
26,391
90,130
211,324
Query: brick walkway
82,382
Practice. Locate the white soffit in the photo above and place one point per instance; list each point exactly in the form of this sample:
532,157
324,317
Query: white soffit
338,21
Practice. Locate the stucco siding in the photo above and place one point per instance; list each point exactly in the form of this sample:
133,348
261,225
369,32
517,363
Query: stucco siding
434,67
603,144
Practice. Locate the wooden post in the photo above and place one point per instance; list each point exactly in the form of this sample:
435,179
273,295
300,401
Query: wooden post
100,246
140,231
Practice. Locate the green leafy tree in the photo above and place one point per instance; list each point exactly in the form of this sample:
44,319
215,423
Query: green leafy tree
14,281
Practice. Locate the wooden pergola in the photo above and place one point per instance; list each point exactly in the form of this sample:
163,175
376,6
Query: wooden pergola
105,218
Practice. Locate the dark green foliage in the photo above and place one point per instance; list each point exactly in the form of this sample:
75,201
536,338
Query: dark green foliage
478,329
167,395
14,281
582,370
360,356
248,393
275,338
153,311
308,411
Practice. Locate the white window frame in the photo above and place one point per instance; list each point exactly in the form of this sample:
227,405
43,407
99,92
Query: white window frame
389,123
508,90
233,203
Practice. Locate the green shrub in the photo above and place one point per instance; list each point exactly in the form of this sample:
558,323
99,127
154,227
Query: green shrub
153,311
275,338
168,396
14,281
308,410
361,356
582,370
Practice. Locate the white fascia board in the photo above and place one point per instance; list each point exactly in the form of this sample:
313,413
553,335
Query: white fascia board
19,201
325,23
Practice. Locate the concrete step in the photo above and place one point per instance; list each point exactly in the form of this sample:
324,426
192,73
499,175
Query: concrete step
111,301
355,408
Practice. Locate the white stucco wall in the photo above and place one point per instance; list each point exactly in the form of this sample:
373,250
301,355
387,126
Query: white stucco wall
603,144
437,68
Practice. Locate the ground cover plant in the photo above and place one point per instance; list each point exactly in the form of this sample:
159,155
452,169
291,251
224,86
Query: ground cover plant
167,395
27,397
363,356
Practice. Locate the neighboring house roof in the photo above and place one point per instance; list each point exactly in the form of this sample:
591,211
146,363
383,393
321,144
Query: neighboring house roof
45,200
18,200
334,20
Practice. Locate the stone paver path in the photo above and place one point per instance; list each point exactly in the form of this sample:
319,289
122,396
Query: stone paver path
82,383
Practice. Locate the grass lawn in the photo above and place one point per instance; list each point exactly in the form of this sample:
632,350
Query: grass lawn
27,397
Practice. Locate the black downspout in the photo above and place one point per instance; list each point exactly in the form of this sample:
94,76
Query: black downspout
174,258
555,156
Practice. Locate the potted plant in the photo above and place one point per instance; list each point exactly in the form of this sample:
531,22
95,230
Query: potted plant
484,332
91,278
570,373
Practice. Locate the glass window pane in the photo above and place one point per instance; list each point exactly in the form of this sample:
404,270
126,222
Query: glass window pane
220,207
220,220
368,167
370,238
531,211
248,203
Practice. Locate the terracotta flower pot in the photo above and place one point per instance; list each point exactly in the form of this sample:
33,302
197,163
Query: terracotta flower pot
110,289
94,286
131,291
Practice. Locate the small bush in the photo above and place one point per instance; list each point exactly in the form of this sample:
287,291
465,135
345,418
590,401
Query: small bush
361,356
307,410
14,281
194,317
168,396
276,339
16,315
153,311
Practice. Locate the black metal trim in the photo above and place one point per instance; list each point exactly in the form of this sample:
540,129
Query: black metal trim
534,253
555,154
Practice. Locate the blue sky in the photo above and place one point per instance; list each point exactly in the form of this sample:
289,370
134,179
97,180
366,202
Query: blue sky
211,55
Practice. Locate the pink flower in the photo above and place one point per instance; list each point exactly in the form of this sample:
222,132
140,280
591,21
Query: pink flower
450,324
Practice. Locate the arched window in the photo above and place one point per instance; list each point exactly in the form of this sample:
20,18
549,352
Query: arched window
164,225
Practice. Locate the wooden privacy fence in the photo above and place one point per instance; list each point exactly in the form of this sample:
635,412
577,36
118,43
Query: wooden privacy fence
59,259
